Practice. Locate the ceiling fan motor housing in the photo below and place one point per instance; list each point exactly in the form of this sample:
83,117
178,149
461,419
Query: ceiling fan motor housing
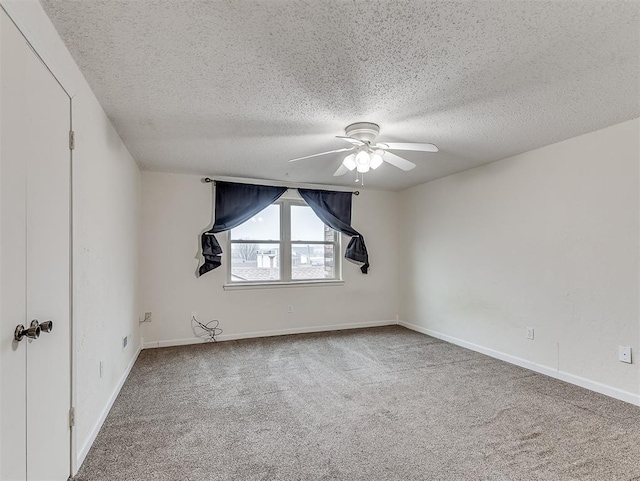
365,131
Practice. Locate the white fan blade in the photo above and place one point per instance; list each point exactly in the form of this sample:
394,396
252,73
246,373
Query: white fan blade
351,140
398,162
408,146
322,153
341,171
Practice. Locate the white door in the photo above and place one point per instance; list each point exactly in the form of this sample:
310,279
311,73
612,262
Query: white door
35,265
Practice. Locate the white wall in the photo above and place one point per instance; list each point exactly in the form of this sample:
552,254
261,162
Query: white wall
177,208
106,222
547,239
106,207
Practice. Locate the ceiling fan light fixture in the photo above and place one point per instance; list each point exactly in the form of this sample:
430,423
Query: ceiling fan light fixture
350,161
376,160
363,168
363,158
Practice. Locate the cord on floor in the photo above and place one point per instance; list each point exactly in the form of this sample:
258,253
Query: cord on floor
208,330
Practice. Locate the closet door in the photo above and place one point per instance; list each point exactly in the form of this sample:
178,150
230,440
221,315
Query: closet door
48,275
35,150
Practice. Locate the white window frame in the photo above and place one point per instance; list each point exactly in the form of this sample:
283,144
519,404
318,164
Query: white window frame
285,244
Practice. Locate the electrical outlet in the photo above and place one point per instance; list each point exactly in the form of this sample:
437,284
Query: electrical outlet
290,309
624,354
147,317
101,368
530,333
125,341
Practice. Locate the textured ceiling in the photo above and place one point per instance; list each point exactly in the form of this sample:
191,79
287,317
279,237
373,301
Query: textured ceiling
236,88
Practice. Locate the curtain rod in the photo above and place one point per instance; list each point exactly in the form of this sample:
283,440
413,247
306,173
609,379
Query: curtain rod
208,180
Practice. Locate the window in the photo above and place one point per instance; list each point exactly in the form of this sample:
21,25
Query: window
285,243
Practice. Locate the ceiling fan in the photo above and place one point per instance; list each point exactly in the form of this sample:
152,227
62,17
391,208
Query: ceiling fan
366,154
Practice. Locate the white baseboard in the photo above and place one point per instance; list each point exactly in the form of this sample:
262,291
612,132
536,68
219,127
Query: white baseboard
105,411
277,332
539,368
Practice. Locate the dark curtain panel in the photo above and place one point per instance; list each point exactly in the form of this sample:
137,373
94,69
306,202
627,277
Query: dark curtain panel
235,204
334,209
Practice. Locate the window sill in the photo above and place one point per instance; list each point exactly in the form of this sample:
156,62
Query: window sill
278,285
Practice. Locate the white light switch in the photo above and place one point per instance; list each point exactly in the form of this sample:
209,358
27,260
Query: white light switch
624,354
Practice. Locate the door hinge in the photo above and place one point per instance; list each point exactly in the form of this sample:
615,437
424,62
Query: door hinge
72,140
72,417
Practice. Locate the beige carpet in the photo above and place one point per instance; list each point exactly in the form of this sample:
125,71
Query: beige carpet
372,404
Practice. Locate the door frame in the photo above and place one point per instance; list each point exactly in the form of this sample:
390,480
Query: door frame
6,8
